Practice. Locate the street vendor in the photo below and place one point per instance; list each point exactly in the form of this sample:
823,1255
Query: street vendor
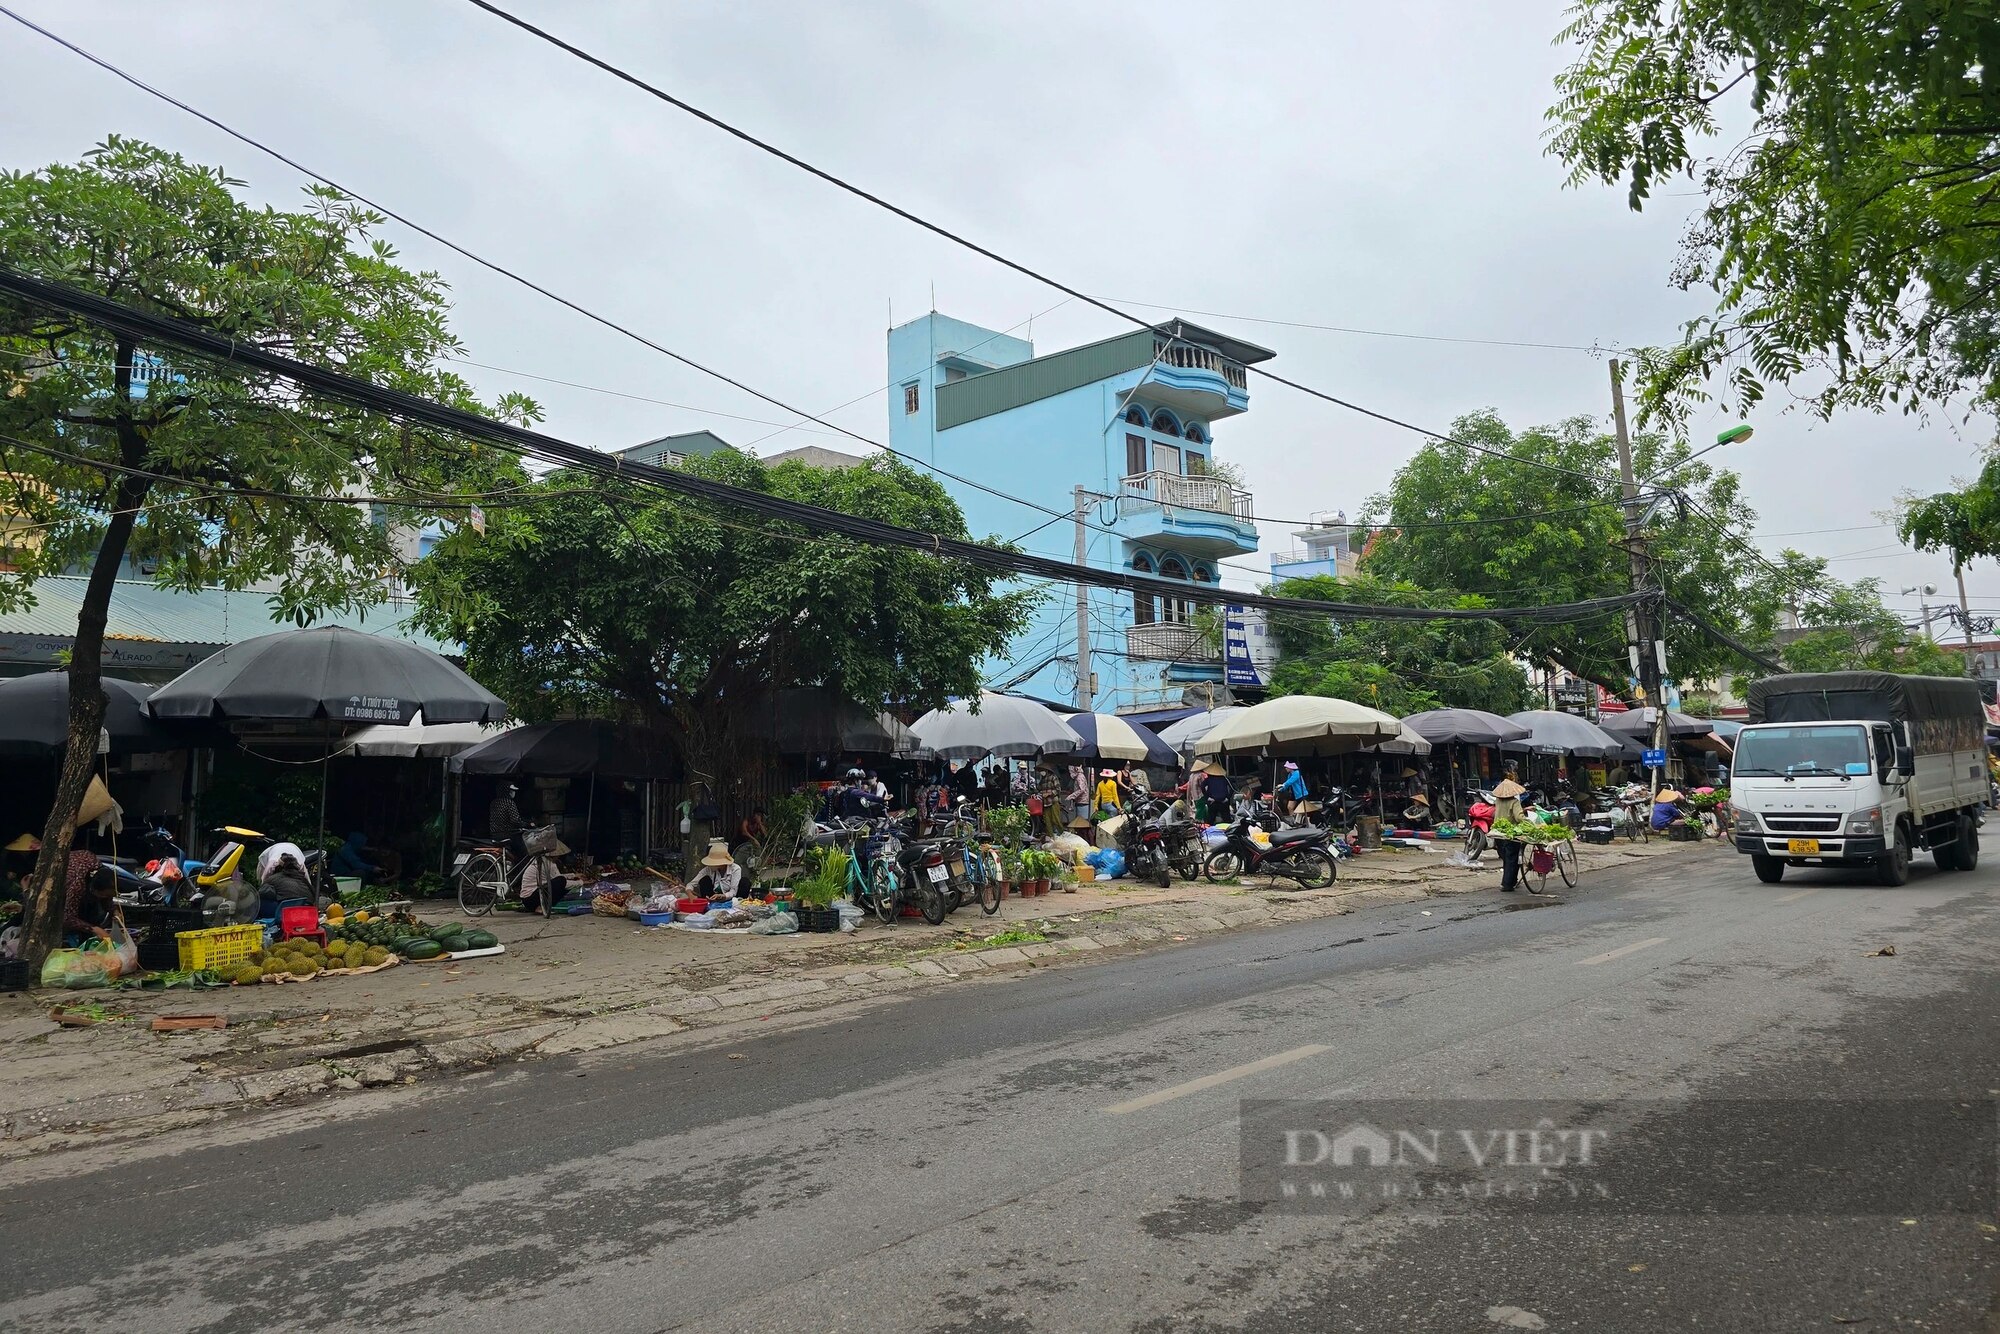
1666,809
357,857
1108,803
1293,790
90,896
719,877
1217,791
753,828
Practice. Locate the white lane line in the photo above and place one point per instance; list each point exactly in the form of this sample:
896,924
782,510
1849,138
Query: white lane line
1621,951
1234,1072
1798,894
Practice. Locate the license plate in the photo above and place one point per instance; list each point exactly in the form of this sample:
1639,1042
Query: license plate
1803,847
938,874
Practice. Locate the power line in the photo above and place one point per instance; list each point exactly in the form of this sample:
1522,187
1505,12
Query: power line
394,403
978,249
1370,333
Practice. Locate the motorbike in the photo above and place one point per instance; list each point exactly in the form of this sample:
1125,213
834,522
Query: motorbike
1300,854
1144,843
923,879
1480,808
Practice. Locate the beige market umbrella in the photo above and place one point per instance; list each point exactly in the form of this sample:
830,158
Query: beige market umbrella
1300,725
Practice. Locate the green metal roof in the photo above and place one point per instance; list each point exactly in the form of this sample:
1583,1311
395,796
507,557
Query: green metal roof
209,616
1009,387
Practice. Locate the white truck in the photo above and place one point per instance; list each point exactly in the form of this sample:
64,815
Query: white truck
1860,769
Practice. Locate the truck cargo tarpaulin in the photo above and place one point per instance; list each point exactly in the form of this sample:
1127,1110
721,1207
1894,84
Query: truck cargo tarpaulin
1945,713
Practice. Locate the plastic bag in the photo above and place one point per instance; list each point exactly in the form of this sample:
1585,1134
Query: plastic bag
777,924
76,969
1111,864
125,948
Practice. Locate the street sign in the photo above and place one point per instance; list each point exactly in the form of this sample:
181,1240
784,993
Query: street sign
1654,759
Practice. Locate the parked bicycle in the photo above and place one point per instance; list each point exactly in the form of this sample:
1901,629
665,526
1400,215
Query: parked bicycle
491,874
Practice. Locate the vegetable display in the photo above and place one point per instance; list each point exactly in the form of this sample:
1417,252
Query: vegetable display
356,943
1523,831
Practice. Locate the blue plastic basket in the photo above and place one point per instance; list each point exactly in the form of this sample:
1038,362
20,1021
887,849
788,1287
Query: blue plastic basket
655,918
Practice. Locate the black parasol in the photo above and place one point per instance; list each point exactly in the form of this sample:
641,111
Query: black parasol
342,676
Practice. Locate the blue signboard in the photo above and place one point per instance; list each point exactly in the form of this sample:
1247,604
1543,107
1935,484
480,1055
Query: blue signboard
1654,759
1246,652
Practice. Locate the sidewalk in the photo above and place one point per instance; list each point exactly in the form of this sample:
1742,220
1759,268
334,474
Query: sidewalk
576,984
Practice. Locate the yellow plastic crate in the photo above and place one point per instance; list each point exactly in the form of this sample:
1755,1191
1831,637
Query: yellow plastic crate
219,945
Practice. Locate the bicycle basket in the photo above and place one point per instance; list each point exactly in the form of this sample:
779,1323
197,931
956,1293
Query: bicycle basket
535,842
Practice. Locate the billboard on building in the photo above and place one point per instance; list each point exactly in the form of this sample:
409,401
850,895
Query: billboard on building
1248,650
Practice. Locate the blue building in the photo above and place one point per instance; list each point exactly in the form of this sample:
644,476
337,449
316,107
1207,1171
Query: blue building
1330,546
1128,419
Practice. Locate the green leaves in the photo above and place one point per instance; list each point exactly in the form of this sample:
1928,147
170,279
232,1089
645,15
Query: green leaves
1852,236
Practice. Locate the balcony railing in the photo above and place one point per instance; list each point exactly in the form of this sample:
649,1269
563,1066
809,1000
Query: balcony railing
1301,555
1168,641
1150,490
1176,353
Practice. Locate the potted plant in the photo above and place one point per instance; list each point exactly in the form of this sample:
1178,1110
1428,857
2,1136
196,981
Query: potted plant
1037,869
815,891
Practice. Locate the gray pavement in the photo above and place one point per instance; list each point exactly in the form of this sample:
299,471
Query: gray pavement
1059,1150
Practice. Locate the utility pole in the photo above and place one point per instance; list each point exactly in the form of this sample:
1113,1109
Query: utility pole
1648,653
1085,696
1965,618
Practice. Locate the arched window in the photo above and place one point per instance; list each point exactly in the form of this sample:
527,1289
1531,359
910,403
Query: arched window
1145,606
1135,416
1164,423
1196,434
1203,575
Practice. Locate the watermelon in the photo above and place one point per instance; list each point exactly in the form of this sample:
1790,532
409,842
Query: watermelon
480,940
422,949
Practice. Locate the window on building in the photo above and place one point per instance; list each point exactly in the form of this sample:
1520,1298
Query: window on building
1195,434
1135,455
1145,606
1167,459
909,398
1164,423
1197,464
1135,416
1175,611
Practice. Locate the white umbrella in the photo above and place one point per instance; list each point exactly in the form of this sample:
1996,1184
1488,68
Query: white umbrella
1552,733
1006,725
419,738
1183,735
1106,736
1300,724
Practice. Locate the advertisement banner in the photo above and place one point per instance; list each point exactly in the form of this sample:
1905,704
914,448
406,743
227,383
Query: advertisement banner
1248,651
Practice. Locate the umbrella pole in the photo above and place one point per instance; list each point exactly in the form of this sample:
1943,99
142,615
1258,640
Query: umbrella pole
325,757
589,810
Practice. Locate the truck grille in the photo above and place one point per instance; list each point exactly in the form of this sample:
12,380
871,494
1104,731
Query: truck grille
1802,824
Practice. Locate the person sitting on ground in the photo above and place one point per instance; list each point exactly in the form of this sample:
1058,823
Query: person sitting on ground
1666,809
751,829
356,858
719,877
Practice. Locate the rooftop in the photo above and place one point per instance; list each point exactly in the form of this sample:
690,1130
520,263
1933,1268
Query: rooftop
688,445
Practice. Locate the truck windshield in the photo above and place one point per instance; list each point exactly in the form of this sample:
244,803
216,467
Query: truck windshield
1785,752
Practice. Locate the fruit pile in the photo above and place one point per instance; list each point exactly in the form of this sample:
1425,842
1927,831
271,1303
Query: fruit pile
357,943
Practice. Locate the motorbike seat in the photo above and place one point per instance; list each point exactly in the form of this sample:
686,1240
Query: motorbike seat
1297,836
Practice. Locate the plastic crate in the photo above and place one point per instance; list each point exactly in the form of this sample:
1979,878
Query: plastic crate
219,945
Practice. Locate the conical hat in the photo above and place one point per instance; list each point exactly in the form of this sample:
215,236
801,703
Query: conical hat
1507,787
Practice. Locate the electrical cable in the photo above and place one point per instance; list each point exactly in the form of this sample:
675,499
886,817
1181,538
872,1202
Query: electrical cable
409,407
978,249
1371,333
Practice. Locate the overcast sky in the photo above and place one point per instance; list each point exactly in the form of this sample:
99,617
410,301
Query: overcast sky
1372,167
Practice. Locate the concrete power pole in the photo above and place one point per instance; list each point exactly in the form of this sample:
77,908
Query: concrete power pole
1648,653
1085,696
1965,618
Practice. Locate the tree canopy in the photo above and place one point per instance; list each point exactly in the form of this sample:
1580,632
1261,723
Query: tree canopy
1496,527
1851,235
1402,667
1845,627
220,475
597,598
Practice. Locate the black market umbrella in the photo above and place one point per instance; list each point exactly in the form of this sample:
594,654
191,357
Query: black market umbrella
814,720
580,746
1464,727
34,717
332,674
1639,723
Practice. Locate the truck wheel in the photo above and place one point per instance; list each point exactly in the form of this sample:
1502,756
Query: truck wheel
1967,857
1892,868
1769,869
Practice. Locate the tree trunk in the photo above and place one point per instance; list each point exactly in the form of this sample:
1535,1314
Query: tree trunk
43,915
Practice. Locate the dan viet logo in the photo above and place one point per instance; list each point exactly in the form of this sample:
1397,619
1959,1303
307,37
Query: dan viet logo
1542,1145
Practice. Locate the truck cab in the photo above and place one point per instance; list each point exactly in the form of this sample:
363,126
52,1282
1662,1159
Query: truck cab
1859,769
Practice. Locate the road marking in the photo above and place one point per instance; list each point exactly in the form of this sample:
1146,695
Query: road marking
1621,951
1796,895
1235,1072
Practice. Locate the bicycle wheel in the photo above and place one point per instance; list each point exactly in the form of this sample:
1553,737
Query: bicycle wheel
989,887
1644,824
882,890
1566,863
480,884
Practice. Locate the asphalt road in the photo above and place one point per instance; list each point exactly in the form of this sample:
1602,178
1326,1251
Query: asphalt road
1061,1150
